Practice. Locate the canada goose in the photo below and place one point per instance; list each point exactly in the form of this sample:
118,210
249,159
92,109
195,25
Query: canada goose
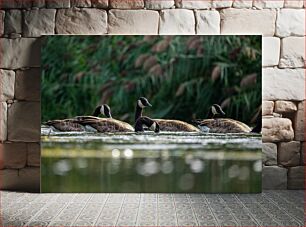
215,109
164,125
112,125
104,124
77,123
66,125
142,102
151,124
175,126
221,125
103,109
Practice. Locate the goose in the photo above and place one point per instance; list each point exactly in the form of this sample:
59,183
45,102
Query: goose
104,110
77,123
66,125
175,126
151,124
142,102
164,124
107,124
222,125
215,110
112,125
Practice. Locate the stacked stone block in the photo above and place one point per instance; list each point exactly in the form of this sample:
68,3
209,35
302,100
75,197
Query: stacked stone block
281,22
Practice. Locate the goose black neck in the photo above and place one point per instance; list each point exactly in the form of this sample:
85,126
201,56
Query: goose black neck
139,125
257,128
96,112
210,114
108,115
138,112
145,121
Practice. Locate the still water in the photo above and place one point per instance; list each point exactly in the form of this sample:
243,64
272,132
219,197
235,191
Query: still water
148,162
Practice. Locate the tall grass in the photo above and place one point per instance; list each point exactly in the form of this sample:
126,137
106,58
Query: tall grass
180,75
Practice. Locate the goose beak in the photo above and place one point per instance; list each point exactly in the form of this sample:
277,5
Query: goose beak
222,113
149,104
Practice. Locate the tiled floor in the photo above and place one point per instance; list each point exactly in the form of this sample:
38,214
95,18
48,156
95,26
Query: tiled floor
271,208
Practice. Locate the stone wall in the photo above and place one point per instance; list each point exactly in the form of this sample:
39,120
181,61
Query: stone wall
281,22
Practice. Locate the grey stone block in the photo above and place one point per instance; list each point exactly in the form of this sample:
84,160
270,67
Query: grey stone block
274,177
289,153
296,177
99,3
269,154
133,22
39,22
126,4
7,85
13,155
80,3
26,179
277,129
303,160
13,21
2,14
56,4
20,53
81,21
15,4
24,122
27,84
3,121
38,3
33,156
299,122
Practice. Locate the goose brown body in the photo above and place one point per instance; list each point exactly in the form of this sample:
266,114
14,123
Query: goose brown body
164,124
175,126
66,125
224,125
106,124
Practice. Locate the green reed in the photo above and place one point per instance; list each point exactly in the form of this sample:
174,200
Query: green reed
180,75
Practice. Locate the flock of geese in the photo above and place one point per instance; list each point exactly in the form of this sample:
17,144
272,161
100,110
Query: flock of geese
214,124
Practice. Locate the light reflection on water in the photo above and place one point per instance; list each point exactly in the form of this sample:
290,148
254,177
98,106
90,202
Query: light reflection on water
165,162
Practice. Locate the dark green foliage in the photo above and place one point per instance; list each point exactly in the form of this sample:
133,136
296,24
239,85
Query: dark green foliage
180,75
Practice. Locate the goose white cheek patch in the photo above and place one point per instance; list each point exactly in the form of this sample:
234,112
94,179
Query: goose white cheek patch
213,109
140,104
102,110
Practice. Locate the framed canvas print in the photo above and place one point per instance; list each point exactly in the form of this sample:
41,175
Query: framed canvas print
175,114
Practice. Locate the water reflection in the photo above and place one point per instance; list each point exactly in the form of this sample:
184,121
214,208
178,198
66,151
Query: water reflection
257,166
186,182
115,153
149,167
167,167
197,166
128,153
61,167
129,163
